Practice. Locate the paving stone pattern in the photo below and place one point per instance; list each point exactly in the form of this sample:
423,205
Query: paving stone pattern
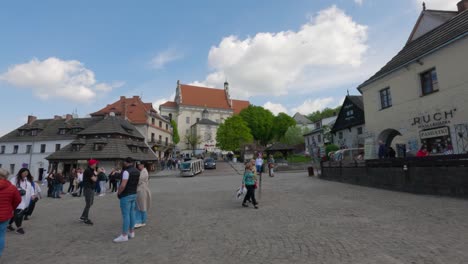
301,220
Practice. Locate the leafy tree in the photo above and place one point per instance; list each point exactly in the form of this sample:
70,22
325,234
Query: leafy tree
294,135
233,133
192,141
281,123
327,112
175,133
260,122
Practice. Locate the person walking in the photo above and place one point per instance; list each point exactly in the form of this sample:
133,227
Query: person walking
59,180
143,196
113,180
10,198
50,184
259,164
37,193
89,184
80,182
271,166
71,179
249,181
127,195
102,178
26,192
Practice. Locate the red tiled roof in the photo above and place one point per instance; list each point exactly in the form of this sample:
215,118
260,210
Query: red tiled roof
137,111
204,97
169,104
239,105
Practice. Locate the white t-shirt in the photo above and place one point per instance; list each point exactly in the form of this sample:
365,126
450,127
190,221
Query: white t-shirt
125,175
80,177
259,162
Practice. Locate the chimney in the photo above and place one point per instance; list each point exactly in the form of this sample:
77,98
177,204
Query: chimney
462,5
31,119
68,117
57,117
136,97
122,98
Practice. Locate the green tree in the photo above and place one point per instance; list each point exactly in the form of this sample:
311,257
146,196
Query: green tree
192,141
294,135
281,123
260,122
233,133
175,133
327,112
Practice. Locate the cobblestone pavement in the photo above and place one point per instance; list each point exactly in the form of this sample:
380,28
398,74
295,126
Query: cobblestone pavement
301,220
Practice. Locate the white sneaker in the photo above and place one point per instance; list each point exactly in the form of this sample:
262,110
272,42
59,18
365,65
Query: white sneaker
121,238
137,226
142,225
131,235
102,194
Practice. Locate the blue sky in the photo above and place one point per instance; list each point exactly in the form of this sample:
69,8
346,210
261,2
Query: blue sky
58,56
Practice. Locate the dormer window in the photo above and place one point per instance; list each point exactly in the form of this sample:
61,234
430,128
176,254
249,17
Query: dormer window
99,146
62,131
34,132
76,147
134,149
22,133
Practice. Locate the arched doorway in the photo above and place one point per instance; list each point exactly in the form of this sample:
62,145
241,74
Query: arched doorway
388,135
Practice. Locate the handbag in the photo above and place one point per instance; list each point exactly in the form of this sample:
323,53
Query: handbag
255,185
21,191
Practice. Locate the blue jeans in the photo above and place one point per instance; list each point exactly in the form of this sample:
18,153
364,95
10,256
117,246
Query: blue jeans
259,168
3,226
127,206
140,216
57,190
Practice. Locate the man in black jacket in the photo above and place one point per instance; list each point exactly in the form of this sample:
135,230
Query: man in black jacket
89,184
127,195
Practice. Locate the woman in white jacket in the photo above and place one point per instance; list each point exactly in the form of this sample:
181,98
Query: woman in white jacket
25,188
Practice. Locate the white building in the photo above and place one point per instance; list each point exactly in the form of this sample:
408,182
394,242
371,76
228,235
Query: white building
316,140
419,98
187,110
29,145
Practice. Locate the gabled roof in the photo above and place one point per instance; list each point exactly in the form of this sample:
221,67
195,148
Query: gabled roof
117,135
137,111
113,149
344,121
453,29
169,104
203,97
239,105
112,125
357,100
428,20
48,129
301,119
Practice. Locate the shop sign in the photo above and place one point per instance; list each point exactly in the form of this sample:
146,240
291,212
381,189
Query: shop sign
438,132
434,120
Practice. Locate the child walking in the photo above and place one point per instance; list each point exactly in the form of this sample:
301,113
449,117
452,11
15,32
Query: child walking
249,182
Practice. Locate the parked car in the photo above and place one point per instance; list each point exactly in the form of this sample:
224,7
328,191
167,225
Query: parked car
210,163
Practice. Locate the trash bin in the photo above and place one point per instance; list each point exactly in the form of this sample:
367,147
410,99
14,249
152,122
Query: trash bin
311,171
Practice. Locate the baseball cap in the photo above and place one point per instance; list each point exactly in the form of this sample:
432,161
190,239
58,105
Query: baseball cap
91,162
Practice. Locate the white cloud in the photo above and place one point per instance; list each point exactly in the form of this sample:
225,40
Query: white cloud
165,57
275,108
56,78
312,105
359,2
161,101
282,62
439,4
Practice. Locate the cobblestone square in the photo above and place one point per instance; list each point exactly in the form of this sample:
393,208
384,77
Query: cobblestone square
301,220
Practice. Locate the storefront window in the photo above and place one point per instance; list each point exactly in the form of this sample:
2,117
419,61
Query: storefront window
437,140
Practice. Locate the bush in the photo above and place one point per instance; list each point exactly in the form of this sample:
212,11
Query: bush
278,155
330,148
